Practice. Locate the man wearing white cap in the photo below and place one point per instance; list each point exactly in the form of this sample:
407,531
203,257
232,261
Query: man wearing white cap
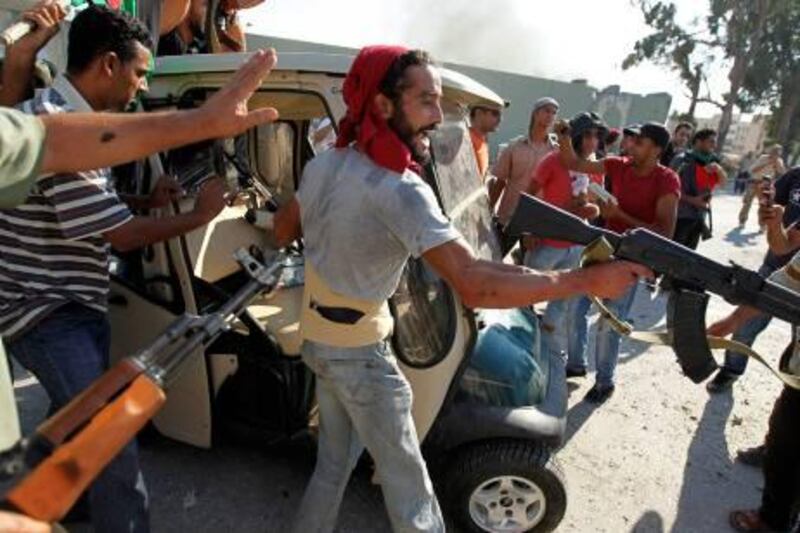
514,168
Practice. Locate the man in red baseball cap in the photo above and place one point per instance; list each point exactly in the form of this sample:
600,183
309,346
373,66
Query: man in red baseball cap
363,209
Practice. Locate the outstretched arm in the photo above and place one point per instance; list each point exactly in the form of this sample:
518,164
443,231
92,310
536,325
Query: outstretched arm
485,284
570,158
82,141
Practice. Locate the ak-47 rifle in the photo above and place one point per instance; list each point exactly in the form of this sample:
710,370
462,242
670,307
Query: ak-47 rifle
67,451
692,275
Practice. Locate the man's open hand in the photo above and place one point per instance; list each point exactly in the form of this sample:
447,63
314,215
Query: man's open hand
46,18
611,280
226,112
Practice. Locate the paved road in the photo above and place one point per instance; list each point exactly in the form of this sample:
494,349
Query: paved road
657,457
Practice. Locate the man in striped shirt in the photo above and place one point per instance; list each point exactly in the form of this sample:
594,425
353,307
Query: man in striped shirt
54,248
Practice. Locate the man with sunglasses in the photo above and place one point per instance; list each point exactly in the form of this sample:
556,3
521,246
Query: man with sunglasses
483,121
556,184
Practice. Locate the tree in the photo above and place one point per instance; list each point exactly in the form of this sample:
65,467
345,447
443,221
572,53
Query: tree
732,30
739,25
774,76
688,52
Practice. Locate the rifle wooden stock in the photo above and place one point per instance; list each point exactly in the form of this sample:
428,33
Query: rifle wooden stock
84,406
48,492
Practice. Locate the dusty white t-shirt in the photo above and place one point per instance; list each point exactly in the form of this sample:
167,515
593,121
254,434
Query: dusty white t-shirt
361,222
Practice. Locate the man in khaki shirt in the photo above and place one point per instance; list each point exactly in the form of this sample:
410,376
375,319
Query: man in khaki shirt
514,168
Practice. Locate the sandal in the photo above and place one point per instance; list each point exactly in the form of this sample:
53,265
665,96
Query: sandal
749,521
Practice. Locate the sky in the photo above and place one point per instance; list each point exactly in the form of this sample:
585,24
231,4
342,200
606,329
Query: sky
558,39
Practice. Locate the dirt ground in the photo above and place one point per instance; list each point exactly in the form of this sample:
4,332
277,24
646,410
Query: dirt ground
657,457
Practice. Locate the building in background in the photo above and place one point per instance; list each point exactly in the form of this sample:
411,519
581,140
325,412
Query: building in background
745,134
616,107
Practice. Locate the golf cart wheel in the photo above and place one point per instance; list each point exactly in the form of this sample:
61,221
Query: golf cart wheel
506,486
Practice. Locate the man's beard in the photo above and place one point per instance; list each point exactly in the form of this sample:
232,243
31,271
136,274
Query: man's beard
406,132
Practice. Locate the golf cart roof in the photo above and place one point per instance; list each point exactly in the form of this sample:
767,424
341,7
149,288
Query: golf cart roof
467,90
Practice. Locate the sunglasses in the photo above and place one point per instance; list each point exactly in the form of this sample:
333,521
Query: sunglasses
493,112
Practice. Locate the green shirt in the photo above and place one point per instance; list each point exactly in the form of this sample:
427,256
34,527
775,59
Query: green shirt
21,152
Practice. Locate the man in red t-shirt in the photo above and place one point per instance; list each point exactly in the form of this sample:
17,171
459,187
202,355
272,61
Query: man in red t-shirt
646,195
556,184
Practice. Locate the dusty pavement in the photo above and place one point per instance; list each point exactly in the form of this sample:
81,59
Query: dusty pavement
657,457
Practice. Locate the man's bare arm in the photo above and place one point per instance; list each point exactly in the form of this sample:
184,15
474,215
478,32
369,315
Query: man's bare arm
568,156
485,284
501,173
141,231
20,58
734,321
83,141
575,163
496,188
781,240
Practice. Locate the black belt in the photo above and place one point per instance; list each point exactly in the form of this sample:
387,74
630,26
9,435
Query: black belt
340,315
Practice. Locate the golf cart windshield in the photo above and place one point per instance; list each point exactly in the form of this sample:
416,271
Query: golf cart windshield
506,367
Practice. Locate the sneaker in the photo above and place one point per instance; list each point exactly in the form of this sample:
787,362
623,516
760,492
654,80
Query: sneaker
599,395
722,382
576,373
752,456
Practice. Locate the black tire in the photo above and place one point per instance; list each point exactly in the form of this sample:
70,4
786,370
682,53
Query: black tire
476,464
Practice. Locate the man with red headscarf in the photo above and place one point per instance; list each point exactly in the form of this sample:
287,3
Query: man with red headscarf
363,210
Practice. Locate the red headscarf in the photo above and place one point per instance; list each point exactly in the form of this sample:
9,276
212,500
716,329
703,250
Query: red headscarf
363,122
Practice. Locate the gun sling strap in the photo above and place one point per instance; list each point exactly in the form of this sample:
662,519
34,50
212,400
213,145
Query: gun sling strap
697,366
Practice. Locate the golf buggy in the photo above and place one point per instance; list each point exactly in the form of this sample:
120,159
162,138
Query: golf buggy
489,404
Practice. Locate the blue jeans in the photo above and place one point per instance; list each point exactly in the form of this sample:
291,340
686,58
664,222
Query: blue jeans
579,324
556,323
607,341
364,400
734,362
66,351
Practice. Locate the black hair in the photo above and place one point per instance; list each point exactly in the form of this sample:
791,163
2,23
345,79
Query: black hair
394,83
98,30
683,125
704,134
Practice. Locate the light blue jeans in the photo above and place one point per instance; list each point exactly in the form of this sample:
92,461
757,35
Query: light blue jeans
578,339
607,341
556,323
364,400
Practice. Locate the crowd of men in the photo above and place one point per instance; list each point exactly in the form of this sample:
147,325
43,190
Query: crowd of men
664,183
60,216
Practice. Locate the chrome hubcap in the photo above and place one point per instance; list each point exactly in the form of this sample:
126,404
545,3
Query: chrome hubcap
507,504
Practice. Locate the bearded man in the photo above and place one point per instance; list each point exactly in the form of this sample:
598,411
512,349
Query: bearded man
363,209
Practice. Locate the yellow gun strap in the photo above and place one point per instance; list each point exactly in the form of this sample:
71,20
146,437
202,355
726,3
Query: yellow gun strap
601,251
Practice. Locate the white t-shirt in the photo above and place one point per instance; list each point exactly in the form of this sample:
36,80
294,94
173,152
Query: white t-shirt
361,222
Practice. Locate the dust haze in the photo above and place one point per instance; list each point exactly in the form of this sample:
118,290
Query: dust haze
488,34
